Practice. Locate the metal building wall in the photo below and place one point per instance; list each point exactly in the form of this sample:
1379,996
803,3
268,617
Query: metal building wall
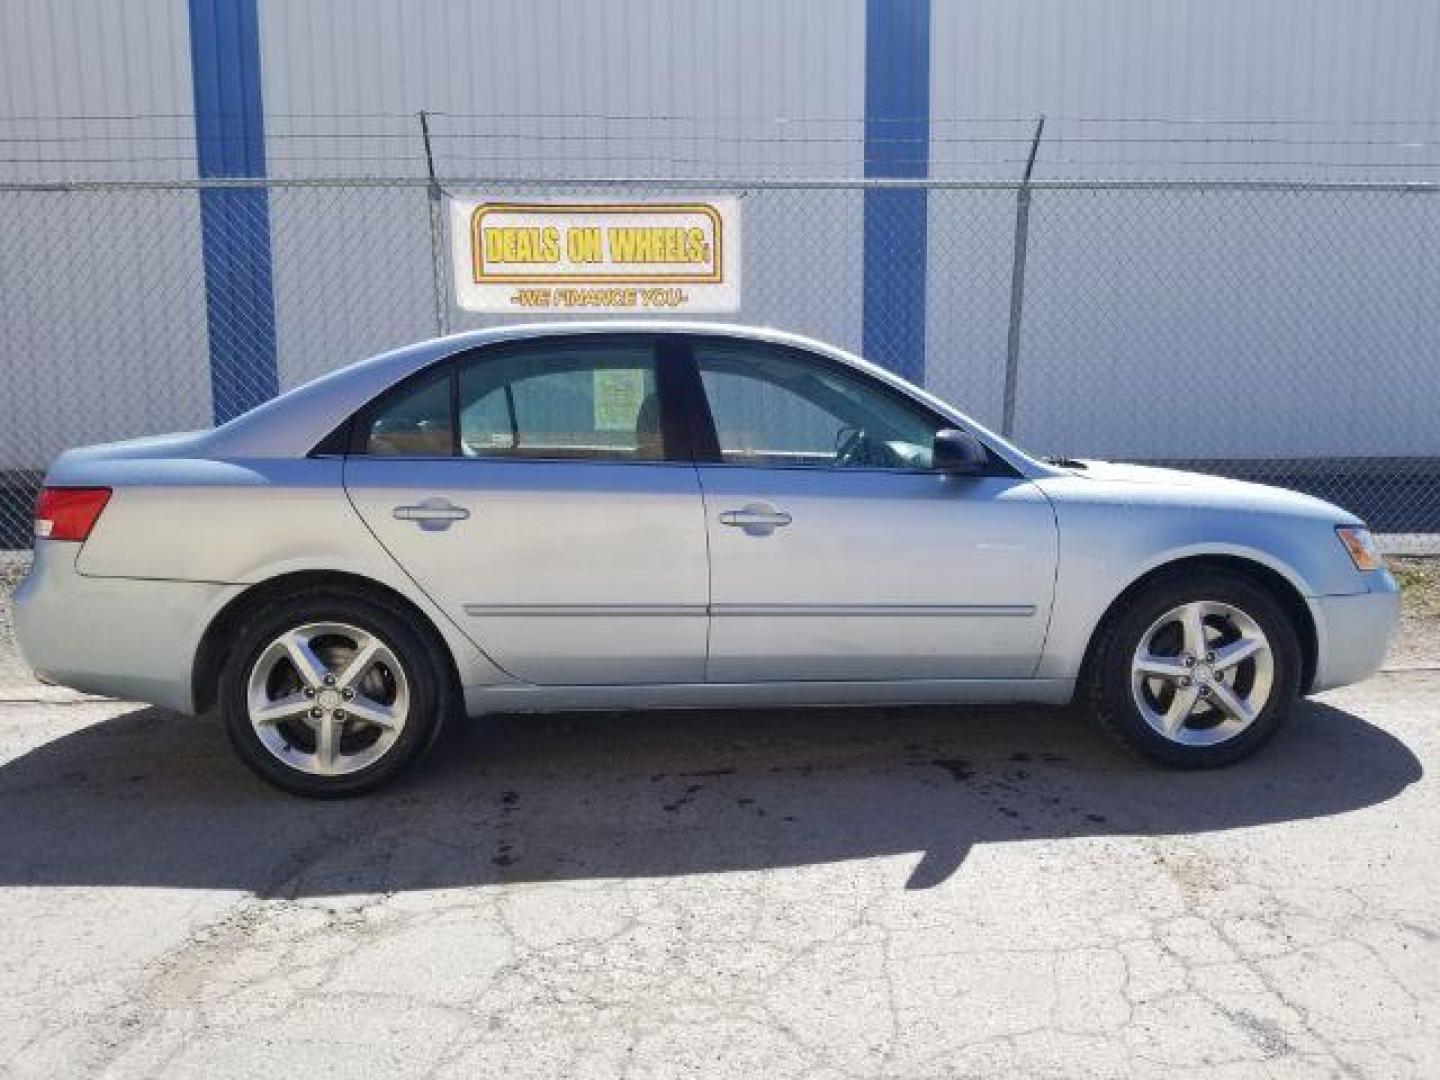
63,60
1315,61
552,87
91,282
1158,322
556,89
695,88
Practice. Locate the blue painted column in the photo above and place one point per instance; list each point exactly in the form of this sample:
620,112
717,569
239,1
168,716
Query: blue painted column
234,222
897,144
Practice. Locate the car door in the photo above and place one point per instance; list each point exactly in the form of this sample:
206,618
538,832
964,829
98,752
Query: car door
536,493
837,553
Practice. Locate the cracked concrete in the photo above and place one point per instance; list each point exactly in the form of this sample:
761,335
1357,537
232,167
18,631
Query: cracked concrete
870,893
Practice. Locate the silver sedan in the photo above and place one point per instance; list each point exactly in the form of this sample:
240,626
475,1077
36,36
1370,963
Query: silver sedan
630,515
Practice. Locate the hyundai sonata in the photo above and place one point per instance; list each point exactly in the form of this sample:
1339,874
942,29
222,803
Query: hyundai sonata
642,514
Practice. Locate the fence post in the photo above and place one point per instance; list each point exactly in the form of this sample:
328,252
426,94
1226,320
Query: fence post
1017,284
438,261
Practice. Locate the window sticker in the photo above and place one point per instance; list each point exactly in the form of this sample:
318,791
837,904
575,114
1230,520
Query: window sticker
619,393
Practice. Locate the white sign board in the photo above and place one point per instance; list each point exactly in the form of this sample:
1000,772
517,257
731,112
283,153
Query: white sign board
554,258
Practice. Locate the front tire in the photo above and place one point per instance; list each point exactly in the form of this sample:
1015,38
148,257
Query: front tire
1197,671
331,694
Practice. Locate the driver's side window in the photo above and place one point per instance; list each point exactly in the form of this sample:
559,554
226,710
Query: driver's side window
774,407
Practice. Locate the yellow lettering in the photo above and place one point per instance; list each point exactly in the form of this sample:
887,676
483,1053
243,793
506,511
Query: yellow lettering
622,245
583,245
658,244
606,297
521,245
493,240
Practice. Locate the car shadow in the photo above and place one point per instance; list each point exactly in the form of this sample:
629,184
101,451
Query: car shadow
153,799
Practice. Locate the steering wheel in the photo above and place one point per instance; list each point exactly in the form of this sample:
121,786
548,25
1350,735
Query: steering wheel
849,445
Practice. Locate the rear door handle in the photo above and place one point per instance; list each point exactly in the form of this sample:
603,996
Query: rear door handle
757,519
433,514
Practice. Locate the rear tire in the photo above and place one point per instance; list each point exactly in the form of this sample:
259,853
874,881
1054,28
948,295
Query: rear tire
1196,671
331,693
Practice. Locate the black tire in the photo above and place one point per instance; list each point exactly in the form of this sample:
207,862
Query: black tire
417,649
1108,687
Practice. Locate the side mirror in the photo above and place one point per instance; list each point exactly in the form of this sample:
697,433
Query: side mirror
959,453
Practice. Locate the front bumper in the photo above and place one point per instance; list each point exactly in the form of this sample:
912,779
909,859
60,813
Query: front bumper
1353,632
120,637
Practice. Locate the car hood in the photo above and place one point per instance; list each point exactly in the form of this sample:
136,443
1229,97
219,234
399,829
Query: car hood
1093,469
1151,485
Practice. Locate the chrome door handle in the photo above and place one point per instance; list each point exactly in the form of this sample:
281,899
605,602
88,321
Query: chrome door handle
757,519
432,514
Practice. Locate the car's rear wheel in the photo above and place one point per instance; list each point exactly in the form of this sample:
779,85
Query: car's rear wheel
331,694
1197,671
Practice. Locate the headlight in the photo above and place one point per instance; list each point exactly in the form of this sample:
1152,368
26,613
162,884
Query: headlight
1362,548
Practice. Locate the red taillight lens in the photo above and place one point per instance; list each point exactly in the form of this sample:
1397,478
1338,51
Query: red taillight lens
68,513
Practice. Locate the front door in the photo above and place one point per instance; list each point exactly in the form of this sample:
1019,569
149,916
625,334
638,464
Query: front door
838,554
541,509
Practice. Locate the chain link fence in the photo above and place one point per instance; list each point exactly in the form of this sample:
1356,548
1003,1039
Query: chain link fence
1277,332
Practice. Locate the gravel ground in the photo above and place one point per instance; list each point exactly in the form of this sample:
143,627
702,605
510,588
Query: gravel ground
1417,641
12,671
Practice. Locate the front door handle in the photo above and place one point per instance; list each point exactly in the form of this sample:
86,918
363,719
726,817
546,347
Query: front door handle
757,518
433,514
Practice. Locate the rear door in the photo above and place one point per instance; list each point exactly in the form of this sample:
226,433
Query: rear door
541,495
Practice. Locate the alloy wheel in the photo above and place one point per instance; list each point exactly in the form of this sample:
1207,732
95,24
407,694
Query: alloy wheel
328,699
1202,673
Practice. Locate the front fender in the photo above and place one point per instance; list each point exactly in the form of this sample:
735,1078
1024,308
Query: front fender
1105,549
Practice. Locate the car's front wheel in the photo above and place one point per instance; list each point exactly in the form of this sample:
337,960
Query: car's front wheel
331,694
1198,670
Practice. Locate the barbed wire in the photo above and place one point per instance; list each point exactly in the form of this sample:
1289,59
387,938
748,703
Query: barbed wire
617,117
1174,146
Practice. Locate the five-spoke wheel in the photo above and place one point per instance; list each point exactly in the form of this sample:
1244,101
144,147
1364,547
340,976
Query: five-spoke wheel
332,693
1202,673
1196,670
328,698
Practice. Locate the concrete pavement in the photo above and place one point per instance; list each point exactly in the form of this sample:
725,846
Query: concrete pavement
905,893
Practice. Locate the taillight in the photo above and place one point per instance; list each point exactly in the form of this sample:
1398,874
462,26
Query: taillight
68,513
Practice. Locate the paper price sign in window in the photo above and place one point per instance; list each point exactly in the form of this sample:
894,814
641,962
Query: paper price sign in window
619,393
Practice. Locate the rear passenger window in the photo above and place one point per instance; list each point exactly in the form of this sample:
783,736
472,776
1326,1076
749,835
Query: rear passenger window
596,399
590,399
416,421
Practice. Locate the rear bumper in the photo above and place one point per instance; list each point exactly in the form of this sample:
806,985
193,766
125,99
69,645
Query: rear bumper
119,637
1353,632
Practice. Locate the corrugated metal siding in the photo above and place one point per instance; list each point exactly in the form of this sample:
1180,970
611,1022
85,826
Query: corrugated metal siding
688,88
1096,67
1230,324
697,87
1123,291
555,89
91,89
1302,59
96,289
1133,299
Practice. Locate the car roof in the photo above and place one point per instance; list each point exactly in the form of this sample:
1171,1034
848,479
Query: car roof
293,423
